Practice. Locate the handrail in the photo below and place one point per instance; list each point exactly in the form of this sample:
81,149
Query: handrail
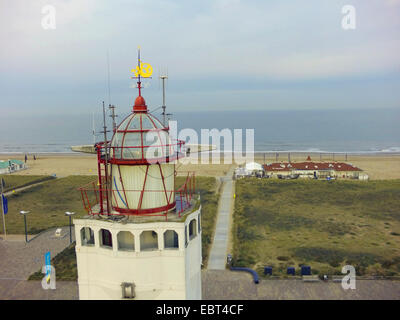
184,192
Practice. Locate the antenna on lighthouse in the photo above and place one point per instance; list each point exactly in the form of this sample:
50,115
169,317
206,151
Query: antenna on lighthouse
106,158
113,116
138,63
144,70
108,77
163,77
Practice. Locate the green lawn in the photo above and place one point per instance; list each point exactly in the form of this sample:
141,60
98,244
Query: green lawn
15,181
65,265
47,204
323,224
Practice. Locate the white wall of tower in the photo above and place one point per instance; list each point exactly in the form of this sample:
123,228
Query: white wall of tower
161,273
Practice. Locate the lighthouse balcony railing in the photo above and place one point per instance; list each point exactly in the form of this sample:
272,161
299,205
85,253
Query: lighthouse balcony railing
159,151
95,197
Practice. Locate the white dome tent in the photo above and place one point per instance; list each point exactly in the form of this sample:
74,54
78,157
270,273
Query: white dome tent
253,166
250,169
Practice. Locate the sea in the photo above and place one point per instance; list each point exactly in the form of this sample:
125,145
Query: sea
345,130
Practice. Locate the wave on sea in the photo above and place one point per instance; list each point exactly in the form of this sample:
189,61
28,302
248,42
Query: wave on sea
259,149
35,148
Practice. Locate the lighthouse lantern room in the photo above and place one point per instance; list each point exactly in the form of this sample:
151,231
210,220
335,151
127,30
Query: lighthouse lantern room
141,238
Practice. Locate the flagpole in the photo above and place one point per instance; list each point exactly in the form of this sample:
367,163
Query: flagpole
2,209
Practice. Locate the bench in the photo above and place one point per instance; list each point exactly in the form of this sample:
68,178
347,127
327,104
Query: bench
313,278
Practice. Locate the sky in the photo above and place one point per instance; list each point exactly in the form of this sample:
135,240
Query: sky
222,55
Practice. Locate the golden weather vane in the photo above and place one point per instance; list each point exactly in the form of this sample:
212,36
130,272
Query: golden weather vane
145,70
142,70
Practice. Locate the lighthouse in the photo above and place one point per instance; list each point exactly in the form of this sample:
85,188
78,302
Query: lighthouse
141,238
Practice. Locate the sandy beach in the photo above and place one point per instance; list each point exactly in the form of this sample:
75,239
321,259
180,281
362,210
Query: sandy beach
85,164
377,166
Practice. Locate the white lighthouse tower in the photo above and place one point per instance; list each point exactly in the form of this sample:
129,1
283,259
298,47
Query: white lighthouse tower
141,238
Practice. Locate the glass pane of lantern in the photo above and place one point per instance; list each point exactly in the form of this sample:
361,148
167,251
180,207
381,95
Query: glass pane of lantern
146,123
157,123
135,123
152,143
151,138
124,123
116,143
132,139
165,142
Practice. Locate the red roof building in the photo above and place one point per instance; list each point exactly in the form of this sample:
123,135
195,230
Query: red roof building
313,169
286,166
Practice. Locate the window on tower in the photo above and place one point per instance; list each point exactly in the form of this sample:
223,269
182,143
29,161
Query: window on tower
87,236
192,229
148,241
171,240
105,238
126,241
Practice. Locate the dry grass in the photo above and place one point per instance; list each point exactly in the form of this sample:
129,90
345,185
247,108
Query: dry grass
323,224
47,204
17,181
64,263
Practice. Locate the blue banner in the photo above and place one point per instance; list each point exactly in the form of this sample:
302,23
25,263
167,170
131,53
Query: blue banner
47,261
5,204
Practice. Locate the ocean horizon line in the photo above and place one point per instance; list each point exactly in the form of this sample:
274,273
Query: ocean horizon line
215,152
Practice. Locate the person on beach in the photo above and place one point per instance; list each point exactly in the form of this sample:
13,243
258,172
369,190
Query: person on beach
26,158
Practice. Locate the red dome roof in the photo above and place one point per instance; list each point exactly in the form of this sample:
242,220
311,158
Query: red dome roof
140,105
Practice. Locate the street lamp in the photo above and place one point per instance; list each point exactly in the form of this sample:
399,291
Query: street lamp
70,214
24,213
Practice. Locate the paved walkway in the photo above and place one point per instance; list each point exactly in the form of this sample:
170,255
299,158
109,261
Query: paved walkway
32,290
19,259
24,188
233,285
229,285
218,253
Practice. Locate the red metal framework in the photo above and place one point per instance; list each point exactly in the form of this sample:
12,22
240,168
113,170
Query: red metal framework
105,192
131,147
130,143
94,195
177,145
111,155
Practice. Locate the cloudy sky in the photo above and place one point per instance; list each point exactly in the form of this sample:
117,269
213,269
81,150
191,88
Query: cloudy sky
220,55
